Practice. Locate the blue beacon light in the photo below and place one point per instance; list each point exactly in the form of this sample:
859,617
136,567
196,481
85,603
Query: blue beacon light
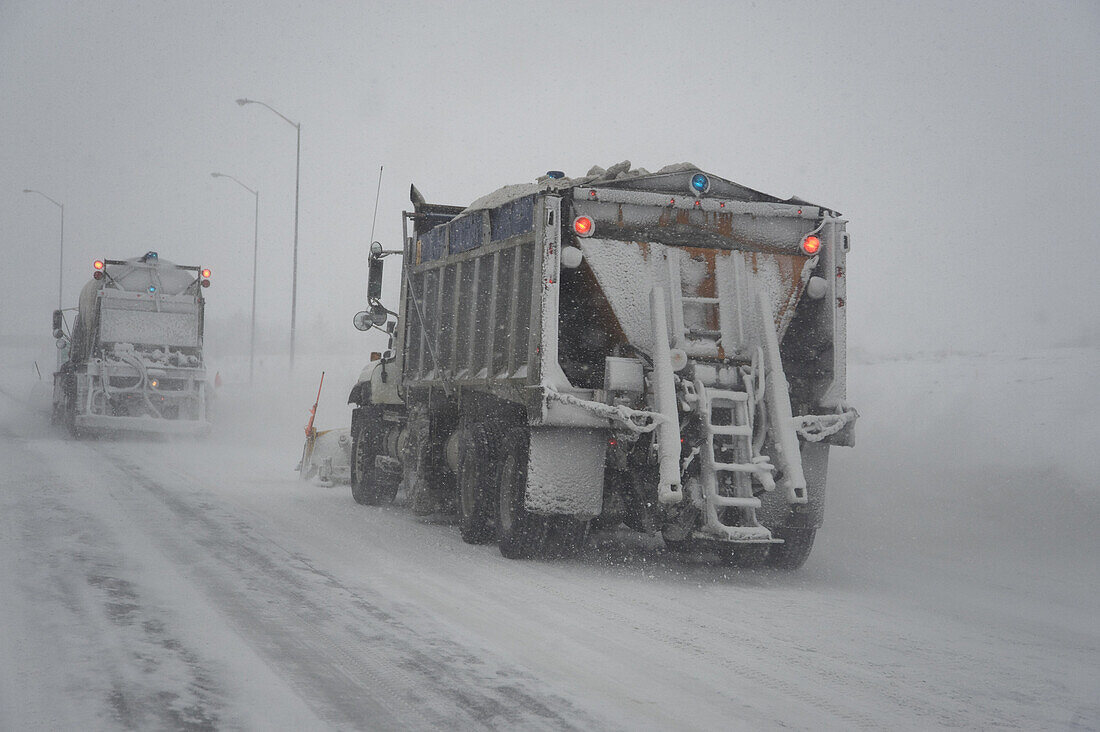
699,183
152,288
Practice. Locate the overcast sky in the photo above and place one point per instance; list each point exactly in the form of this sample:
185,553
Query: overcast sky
961,140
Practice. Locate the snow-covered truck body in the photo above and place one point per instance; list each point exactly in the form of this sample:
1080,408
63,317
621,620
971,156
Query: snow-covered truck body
661,350
135,355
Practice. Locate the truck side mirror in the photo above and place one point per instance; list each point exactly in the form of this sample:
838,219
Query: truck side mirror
362,320
367,319
374,278
56,320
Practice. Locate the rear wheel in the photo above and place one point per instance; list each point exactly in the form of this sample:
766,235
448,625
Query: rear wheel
742,556
522,533
677,546
795,549
476,475
566,536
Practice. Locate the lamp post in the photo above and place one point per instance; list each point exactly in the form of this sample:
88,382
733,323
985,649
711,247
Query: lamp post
61,249
297,178
255,249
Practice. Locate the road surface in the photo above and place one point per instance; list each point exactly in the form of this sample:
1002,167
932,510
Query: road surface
196,584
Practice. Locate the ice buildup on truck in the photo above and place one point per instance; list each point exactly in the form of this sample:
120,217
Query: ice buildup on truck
661,350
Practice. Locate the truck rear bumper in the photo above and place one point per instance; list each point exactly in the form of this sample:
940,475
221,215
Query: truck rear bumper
142,424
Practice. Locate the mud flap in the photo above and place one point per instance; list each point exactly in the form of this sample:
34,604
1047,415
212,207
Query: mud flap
565,472
777,512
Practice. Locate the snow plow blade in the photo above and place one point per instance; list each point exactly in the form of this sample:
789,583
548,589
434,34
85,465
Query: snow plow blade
327,456
103,423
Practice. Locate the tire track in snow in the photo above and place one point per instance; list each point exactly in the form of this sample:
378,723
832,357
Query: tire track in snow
358,661
141,676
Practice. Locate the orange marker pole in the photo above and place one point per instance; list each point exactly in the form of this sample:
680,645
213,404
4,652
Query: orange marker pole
313,410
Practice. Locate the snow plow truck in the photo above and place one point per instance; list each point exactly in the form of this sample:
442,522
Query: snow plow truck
134,361
664,351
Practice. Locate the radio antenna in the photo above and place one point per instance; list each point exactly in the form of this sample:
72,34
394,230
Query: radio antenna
376,194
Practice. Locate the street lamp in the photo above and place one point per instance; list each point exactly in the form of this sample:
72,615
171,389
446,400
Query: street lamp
61,250
297,178
255,248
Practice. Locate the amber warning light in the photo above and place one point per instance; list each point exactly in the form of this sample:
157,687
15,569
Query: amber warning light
205,278
583,226
811,245
98,267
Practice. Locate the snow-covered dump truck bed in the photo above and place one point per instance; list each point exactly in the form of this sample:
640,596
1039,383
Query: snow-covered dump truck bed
135,360
665,350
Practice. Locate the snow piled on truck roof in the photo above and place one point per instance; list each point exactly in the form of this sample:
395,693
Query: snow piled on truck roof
140,273
596,174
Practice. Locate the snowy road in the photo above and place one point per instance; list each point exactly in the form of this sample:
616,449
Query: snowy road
197,585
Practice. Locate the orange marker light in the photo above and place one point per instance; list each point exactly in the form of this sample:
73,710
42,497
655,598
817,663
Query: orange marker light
98,264
206,273
811,245
583,226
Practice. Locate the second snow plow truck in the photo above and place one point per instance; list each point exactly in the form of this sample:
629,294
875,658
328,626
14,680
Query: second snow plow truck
134,361
662,350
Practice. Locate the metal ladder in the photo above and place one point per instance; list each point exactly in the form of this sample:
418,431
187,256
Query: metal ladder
692,340
727,419
730,460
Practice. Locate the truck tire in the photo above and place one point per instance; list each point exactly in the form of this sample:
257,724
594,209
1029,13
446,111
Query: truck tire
476,473
370,484
743,556
795,549
566,536
522,533
69,414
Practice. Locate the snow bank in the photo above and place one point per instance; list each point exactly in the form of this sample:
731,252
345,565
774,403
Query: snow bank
971,462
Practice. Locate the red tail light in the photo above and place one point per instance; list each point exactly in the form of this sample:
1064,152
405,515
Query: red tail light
98,264
584,226
811,245
206,273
